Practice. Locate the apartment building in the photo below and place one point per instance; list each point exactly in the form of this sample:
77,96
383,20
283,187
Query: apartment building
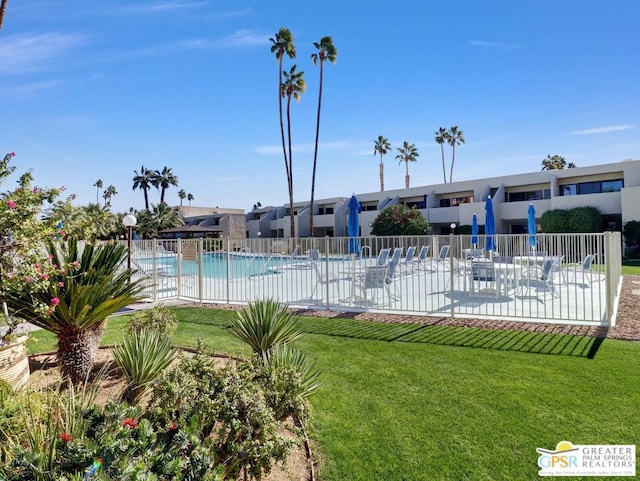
612,188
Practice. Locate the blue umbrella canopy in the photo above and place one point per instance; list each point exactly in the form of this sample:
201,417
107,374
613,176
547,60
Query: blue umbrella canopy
474,231
531,226
353,224
489,226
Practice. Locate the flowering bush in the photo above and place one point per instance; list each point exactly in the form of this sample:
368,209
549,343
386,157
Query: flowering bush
23,263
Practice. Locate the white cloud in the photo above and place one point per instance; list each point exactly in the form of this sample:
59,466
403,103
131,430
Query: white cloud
32,89
309,147
495,45
153,7
602,130
30,53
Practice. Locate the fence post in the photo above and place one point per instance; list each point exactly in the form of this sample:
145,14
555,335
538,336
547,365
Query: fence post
179,268
228,269
326,268
154,270
199,257
451,278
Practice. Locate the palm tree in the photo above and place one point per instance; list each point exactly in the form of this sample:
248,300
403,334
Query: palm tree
190,197
144,181
407,153
108,193
164,179
183,195
293,86
326,51
3,11
442,136
571,165
381,147
98,186
160,217
90,286
282,45
555,162
454,137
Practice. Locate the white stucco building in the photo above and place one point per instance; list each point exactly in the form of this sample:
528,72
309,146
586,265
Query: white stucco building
612,188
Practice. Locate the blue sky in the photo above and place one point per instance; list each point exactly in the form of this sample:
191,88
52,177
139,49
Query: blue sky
93,89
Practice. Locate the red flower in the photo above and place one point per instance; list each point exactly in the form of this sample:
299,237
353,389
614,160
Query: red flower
55,301
11,204
130,422
66,437
173,426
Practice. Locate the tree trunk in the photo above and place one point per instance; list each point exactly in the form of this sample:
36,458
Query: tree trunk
315,154
77,350
444,170
381,175
3,11
146,199
453,160
406,177
292,216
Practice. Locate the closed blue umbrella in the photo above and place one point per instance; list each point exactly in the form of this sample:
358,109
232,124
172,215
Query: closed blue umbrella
531,226
489,226
353,224
474,231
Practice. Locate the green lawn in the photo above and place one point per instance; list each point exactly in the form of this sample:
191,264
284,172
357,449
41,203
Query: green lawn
410,402
631,270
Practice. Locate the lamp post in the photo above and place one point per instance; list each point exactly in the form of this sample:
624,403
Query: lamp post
129,222
453,227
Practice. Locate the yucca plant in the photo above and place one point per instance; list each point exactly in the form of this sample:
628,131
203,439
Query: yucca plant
264,324
142,357
89,285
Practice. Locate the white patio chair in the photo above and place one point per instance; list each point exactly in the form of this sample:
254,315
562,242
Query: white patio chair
540,278
383,257
407,262
420,260
442,259
585,268
323,278
470,254
376,278
484,274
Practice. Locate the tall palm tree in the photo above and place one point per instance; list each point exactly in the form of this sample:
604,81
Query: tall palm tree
293,87
90,286
108,193
326,51
164,179
454,137
555,162
144,181
3,11
190,197
160,217
571,165
98,185
407,153
282,45
442,136
183,195
381,147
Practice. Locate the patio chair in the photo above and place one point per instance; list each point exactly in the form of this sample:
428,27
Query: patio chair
483,273
503,259
422,256
585,268
407,262
323,279
381,278
442,259
383,257
539,277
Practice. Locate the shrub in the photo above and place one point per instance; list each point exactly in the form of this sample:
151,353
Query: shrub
142,357
400,220
631,233
584,219
225,406
160,319
264,324
555,221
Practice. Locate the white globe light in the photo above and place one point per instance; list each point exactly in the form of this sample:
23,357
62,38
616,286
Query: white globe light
129,220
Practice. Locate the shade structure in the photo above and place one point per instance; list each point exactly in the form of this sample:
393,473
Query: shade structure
531,226
353,224
489,226
474,231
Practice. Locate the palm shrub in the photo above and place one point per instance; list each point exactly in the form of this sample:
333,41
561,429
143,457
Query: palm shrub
264,324
143,356
88,285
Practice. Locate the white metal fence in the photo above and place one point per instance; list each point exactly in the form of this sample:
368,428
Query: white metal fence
566,278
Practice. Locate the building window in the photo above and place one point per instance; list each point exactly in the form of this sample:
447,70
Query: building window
596,187
455,201
528,196
369,207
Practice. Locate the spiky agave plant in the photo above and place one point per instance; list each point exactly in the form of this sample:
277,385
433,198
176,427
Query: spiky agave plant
89,285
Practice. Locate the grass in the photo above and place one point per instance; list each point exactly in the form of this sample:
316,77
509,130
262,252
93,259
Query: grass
631,269
411,402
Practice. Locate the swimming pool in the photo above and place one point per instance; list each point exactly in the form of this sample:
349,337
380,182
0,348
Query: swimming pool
214,265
